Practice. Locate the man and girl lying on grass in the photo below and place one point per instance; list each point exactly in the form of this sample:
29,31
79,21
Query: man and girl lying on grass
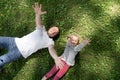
38,39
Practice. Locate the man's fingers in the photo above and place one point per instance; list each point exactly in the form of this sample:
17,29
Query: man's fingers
33,6
36,5
44,12
57,67
61,65
40,6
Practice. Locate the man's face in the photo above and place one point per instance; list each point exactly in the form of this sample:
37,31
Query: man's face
53,31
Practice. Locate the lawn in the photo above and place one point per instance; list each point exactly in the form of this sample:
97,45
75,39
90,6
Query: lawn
98,20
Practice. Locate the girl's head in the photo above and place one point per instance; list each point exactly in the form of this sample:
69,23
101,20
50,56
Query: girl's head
73,39
54,32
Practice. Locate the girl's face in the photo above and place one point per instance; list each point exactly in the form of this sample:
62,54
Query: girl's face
53,31
73,40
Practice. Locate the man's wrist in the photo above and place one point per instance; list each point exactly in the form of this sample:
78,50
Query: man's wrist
57,58
37,14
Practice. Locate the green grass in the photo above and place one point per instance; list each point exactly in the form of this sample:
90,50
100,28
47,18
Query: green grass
98,20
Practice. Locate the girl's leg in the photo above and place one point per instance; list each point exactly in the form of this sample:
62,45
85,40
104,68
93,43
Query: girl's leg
61,72
51,72
44,78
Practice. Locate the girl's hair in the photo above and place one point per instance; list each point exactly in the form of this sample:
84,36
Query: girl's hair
57,35
74,35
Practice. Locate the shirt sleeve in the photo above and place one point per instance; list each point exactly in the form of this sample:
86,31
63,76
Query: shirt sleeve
67,44
79,47
40,30
51,42
66,50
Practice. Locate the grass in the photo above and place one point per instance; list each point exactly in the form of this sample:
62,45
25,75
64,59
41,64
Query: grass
98,20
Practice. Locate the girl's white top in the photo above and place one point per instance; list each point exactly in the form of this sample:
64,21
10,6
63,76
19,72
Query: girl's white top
34,41
70,52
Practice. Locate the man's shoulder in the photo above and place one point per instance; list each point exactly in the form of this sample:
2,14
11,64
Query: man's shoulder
41,28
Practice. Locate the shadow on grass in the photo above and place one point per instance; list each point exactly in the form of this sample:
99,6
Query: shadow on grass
116,55
116,23
103,44
102,40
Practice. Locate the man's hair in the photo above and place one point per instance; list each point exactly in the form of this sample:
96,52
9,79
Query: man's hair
57,35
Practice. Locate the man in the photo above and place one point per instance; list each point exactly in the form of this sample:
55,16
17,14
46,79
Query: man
28,44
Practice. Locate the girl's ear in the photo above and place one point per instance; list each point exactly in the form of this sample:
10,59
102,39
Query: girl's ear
68,37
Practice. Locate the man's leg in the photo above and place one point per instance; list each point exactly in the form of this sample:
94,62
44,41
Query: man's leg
4,59
5,42
13,52
7,58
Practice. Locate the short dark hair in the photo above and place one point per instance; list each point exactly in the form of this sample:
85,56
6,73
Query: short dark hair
57,35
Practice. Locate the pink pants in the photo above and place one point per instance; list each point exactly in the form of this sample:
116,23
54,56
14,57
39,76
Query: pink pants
59,72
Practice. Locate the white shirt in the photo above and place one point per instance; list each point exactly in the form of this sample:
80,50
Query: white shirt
34,41
70,53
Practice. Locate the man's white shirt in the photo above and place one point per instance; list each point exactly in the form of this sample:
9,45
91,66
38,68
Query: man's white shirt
34,41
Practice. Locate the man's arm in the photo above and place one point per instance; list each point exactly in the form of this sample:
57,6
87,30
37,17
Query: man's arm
54,55
38,12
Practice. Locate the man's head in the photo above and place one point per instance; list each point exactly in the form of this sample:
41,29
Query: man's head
74,40
54,32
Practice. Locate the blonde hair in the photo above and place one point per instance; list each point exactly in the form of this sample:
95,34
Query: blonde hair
75,36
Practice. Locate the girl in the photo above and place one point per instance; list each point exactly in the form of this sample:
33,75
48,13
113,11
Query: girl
68,57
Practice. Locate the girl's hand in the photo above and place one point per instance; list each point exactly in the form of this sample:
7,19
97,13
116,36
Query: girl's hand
69,38
86,41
